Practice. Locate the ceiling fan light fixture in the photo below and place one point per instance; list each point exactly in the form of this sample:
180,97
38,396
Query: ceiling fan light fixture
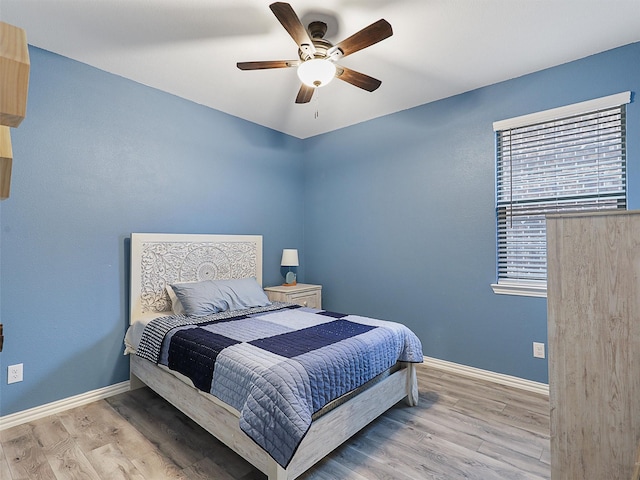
316,72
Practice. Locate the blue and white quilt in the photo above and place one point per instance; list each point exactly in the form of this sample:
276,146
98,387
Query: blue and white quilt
278,365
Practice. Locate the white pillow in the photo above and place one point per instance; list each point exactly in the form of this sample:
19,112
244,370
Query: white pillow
176,306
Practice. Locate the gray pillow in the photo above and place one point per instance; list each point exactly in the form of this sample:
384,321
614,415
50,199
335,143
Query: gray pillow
212,296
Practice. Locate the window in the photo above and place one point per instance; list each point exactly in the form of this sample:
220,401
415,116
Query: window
559,161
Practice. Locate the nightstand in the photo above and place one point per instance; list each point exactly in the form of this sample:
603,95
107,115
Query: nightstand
302,294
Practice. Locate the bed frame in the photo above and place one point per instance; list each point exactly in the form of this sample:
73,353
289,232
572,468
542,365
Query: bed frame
158,259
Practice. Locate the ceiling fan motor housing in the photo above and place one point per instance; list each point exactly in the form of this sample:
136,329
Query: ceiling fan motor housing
322,46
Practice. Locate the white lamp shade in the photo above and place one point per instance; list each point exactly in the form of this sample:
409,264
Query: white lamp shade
316,72
289,257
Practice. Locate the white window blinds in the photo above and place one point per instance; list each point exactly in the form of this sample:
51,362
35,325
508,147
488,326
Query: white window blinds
553,165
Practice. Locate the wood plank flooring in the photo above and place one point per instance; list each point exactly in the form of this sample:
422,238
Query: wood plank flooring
463,428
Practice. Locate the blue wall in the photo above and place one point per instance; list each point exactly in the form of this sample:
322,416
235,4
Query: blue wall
99,157
400,216
395,218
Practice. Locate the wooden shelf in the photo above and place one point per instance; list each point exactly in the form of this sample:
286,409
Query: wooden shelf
14,74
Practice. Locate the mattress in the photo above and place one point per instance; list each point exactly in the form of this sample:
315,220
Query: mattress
134,332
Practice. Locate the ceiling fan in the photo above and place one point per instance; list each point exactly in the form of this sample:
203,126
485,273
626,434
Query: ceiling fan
317,56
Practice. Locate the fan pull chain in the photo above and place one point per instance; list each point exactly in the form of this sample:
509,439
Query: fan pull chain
316,101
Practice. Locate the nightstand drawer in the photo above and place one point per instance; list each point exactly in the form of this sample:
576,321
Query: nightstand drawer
302,294
310,299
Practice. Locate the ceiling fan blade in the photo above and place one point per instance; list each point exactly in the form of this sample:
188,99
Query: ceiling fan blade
366,37
304,94
292,24
358,79
267,64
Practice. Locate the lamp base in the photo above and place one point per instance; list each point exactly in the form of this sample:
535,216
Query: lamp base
290,278
290,284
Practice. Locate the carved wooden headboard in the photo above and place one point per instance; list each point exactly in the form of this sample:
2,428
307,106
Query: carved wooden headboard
158,259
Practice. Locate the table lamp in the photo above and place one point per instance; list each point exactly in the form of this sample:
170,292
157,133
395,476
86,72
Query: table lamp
289,259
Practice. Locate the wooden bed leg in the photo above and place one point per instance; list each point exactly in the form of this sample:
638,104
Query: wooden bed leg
277,472
135,382
412,385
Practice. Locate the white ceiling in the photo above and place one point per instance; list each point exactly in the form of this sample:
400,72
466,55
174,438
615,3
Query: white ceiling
439,48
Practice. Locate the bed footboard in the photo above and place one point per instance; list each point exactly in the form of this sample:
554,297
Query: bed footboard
326,433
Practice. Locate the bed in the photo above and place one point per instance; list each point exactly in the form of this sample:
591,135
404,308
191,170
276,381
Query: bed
158,260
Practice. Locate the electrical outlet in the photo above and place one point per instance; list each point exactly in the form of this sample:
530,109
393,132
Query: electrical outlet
14,373
538,350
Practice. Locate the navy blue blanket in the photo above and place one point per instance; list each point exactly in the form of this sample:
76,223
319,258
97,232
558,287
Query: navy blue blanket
278,365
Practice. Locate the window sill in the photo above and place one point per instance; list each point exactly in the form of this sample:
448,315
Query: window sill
521,289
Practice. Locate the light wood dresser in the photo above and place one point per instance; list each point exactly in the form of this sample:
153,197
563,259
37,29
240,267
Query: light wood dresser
593,302
303,294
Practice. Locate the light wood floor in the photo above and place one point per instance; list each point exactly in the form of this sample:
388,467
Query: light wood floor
462,429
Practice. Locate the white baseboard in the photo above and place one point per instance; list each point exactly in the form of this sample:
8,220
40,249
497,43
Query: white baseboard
500,378
35,413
